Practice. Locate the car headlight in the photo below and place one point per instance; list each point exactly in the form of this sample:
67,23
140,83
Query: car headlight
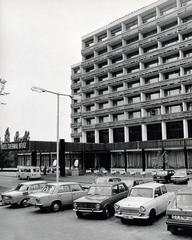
142,209
117,207
97,206
75,205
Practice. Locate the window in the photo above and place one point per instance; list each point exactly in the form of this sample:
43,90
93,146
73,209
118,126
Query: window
118,88
150,33
131,25
149,17
76,188
186,2
133,69
133,115
152,96
89,69
132,39
169,25
188,70
134,84
173,109
117,73
189,106
170,42
116,31
133,54
153,112
103,105
89,43
117,59
172,75
89,56
171,58
90,107
116,46
158,192
103,77
163,189
118,102
102,51
63,188
187,19
187,53
152,79
90,121
76,70
150,48
90,94
76,81
168,9
102,37
103,91
122,188
89,81
151,64
135,99
118,117
102,64
188,88
103,119
187,36
172,92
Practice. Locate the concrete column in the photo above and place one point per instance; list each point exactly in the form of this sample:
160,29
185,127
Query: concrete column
158,12
159,45
108,33
161,93
110,135
84,137
184,104
182,88
185,128
96,136
160,76
143,112
143,97
180,37
178,3
124,43
140,20
124,71
140,50
179,20
123,27
162,109
180,54
141,66
163,130
140,36
158,28
160,60
182,71
126,133
95,39
144,132
142,81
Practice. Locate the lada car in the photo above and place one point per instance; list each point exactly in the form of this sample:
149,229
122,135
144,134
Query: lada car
100,199
20,194
179,211
180,177
55,195
144,202
163,175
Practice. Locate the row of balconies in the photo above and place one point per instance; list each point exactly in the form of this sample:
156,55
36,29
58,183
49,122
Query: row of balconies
181,12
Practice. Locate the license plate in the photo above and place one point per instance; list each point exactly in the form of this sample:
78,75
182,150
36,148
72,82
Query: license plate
128,217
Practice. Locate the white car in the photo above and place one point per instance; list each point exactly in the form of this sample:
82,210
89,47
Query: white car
180,177
145,201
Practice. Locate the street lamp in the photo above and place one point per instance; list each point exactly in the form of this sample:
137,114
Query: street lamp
40,90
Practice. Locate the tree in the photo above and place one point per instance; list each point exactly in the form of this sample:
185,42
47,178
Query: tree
7,136
2,88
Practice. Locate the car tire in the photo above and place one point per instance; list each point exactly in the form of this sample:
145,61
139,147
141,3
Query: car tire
55,206
152,216
79,214
106,212
24,203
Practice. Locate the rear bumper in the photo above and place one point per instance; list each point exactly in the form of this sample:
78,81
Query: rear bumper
174,223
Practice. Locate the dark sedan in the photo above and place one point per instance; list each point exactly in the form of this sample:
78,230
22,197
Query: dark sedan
179,212
163,176
100,199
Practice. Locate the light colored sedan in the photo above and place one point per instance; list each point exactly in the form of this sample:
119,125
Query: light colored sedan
180,177
55,195
144,202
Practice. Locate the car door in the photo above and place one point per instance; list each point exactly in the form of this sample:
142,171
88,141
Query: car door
166,197
77,191
64,194
159,200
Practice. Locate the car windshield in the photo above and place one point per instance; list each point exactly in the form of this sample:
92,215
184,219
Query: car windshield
141,192
21,188
48,188
183,201
100,190
162,173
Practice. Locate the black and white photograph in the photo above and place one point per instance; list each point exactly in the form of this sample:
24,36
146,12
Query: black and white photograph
95,119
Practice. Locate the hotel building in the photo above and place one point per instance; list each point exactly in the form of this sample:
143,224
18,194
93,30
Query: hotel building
135,82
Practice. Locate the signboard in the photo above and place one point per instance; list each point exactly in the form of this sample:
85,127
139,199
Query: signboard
15,146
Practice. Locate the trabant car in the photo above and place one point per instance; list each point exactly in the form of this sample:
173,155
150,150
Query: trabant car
180,177
179,211
100,199
163,176
145,202
55,195
20,194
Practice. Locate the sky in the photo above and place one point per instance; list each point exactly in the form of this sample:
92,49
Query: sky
39,41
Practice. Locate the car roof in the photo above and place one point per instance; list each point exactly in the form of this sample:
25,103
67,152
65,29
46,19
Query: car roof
33,182
62,183
105,184
149,185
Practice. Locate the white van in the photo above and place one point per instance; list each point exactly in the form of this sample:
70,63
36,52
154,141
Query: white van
28,172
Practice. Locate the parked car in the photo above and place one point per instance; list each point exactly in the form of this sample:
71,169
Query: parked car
20,194
28,172
55,195
179,212
164,175
101,199
133,182
145,202
180,177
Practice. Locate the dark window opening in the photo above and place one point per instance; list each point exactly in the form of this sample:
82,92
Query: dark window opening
135,134
154,132
104,136
90,137
174,130
118,135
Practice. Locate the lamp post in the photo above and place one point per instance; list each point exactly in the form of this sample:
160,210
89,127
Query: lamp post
42,90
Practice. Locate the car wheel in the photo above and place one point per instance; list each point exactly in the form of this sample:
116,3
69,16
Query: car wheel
106,212
79,214
24,203
55,206
152,216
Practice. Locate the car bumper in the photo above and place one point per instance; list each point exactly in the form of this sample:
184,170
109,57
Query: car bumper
131,217
179,180
174,223
88,210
